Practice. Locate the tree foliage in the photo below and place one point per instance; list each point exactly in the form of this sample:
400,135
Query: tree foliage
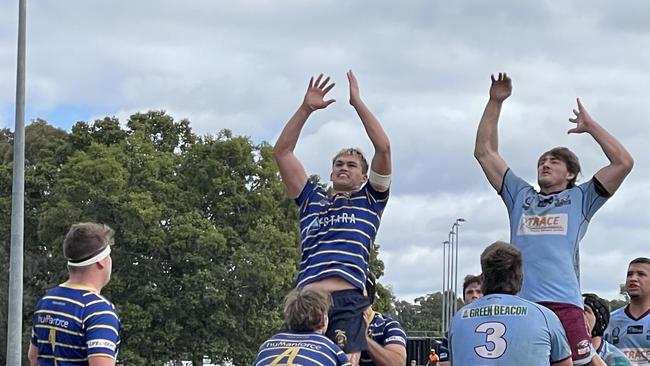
206,240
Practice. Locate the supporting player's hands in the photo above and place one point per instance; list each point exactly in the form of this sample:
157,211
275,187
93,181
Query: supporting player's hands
583,120
355,98
315,96
501,87
368,314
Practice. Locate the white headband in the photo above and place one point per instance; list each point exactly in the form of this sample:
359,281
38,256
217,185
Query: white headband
101,255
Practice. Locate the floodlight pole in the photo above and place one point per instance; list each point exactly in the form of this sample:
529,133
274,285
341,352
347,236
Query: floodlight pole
15,298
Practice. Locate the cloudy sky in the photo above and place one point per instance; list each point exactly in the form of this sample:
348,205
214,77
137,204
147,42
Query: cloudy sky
424,69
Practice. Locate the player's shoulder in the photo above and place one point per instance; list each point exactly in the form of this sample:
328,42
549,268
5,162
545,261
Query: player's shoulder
618,314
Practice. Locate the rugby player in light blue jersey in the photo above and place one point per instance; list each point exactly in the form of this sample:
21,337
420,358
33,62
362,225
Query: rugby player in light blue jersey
385,337
471,292
303,343
548,225
629,327
501,328
337,230
73,324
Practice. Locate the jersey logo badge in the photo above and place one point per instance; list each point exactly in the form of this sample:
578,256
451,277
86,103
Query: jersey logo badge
556,224
527,202
545,202
340,337
313,226
562,201
635,329
583,347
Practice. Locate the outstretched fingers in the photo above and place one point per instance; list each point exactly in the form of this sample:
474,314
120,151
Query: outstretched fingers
502,76
324,83
329,87
321,84
317,82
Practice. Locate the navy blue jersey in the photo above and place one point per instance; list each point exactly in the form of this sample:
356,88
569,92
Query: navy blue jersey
72,323
383,330
300,348
336,233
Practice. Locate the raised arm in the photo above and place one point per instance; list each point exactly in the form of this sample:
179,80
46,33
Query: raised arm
381,163
620,160
486,149
292,172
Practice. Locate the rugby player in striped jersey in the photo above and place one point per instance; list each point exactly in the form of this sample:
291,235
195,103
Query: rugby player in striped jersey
338,228
73,324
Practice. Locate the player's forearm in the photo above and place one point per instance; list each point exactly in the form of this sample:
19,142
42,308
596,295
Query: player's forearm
613,149
487,139
375,132
289,137
381,159
597,361
32,355
385,357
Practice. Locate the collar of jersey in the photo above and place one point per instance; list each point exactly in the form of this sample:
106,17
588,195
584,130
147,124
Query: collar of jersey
78,287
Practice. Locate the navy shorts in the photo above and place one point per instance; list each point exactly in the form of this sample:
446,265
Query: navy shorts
347,326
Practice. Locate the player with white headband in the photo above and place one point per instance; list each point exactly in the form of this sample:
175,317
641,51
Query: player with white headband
73,322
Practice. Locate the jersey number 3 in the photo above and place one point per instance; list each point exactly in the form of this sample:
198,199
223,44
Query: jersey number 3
495,345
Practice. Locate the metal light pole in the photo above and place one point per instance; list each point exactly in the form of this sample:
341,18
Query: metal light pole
15,301
450,287
456,226
453,274
443,312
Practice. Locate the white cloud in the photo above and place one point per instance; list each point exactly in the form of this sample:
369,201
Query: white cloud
424,71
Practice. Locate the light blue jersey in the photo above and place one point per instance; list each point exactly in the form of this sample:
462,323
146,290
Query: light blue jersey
500,329
548,229
612,355
630,335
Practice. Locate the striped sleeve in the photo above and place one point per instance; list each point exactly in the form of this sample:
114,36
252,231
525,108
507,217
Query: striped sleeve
306,195
342,359
102,329
378,199
394,334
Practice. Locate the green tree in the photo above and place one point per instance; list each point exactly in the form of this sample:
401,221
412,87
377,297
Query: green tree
206,240
423,315
618,303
